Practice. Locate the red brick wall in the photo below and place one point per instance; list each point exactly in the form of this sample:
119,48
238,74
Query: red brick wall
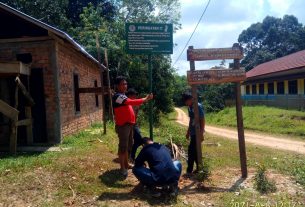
71,61
40,51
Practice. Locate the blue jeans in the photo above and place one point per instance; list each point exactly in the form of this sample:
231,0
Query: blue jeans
145,176
137,141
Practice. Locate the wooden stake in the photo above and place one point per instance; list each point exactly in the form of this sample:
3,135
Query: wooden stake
13,137
240,126
29,127
196,116
108,86
102,80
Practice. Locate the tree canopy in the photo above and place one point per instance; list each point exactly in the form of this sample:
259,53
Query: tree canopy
271,39
105,20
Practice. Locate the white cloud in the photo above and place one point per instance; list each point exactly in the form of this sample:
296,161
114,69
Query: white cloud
279,7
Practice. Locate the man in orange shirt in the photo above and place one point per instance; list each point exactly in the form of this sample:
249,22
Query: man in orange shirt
124,120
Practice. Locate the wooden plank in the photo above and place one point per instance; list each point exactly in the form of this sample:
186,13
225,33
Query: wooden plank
14,68
97,90
215,76
234,52
24,91
24,122
13,138
8,111
29,128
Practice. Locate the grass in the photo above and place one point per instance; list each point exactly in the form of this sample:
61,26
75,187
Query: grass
263,119
88,168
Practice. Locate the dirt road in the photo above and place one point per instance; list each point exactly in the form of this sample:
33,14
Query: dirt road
258,139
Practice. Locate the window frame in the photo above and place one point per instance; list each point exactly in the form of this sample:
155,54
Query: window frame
295,90
271,92
283,87
254,92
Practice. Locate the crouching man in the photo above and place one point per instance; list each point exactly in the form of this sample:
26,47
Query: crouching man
162,170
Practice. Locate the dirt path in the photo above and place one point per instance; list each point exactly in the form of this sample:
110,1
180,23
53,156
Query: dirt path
263,140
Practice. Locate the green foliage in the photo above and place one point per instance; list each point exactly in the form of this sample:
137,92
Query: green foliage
180,87
111,36
271,39
262,118
50,12
214,96
103,22
262,184
299,170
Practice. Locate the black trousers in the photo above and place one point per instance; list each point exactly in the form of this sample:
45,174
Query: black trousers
137,141
192,155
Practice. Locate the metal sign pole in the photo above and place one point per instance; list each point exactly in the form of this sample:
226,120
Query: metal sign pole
150,103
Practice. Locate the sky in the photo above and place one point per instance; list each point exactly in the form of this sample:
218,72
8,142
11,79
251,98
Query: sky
222,23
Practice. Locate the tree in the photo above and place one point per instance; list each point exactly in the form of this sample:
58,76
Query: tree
112,36
271,39
75,9
50,12
180,87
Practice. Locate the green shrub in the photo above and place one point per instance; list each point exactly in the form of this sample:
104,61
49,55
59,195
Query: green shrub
262,184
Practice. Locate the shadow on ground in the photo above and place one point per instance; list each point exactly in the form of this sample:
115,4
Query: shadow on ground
114,179
142,194
139,193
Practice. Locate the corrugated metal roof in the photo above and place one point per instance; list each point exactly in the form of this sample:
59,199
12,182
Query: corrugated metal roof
292,61
51,29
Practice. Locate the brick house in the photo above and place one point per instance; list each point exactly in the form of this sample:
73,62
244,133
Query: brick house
278,83
57,67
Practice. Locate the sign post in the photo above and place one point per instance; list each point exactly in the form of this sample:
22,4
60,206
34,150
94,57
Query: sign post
149,39
215,77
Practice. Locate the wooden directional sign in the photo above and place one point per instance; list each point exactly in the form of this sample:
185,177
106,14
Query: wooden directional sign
148,38
235,52
215,76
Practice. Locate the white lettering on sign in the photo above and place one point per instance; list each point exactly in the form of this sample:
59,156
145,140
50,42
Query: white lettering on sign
215,76
214,54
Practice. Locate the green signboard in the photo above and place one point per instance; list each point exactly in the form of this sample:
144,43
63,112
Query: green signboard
147,38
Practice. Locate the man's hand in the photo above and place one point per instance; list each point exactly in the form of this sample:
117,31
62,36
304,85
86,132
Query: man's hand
148,97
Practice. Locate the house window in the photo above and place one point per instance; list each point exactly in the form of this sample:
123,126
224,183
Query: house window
270,88
280,88
293,87
76,94
261,88
247,89
96,96
254,89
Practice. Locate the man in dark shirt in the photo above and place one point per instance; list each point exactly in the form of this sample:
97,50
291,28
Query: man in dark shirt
162,170
191,132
